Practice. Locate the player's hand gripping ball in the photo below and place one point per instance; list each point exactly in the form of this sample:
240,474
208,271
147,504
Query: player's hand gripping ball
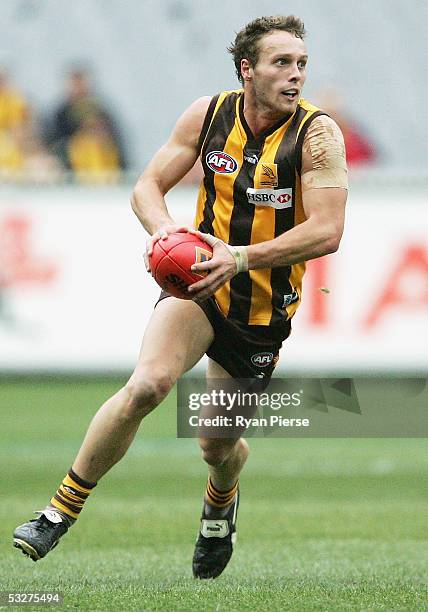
172,259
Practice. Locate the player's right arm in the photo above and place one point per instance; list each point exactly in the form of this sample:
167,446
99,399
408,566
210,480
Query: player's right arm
165,170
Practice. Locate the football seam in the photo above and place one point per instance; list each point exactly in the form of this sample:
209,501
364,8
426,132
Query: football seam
196,245
191,239
180,267
159,261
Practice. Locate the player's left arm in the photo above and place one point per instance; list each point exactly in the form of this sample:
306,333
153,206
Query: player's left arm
324,194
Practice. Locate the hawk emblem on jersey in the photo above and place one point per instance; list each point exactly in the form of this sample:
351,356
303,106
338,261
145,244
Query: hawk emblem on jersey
201,255
267,175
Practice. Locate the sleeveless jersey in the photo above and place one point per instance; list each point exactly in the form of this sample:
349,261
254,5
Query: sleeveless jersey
251,193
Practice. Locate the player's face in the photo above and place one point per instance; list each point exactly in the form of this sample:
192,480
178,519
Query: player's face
280,72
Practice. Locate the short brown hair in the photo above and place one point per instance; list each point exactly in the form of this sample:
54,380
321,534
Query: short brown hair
246,41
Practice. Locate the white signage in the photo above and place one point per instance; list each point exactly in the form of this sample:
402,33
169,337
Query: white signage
74,293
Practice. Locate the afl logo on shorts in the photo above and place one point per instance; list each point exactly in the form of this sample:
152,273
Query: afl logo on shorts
262,360
221,162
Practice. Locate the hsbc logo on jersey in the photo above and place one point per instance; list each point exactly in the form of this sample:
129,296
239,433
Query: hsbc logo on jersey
262,360
221,162
275,198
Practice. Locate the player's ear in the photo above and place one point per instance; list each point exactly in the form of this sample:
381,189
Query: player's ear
246,70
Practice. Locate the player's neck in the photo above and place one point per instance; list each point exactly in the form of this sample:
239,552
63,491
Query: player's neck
259,118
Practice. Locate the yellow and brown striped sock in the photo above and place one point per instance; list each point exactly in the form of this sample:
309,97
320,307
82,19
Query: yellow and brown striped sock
219,499
71,495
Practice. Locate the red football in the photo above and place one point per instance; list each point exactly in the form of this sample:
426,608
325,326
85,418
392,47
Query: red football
172,259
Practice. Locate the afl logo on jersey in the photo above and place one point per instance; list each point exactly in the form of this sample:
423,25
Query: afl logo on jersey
221,162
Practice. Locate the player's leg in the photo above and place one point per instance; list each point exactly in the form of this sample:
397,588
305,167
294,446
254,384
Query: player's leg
225,458
176,337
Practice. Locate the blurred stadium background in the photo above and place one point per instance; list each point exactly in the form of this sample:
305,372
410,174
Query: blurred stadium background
340,523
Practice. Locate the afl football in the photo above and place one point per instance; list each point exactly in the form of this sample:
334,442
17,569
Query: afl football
172,259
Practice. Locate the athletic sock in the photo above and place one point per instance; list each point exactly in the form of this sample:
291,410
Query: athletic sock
219,499
70,496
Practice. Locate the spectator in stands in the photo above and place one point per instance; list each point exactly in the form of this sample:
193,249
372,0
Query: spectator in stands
360,150
14,113
93,154
82,121
13,106
38,164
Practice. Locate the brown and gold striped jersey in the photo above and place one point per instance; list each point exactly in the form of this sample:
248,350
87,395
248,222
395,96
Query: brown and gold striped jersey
250,193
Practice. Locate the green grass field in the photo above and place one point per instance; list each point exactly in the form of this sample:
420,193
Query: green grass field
328,524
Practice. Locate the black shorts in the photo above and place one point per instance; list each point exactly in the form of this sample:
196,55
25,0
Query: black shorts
244,351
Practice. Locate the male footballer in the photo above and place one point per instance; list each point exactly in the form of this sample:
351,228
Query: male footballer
272,197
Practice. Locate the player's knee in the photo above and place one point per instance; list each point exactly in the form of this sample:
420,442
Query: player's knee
214,452
147,392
